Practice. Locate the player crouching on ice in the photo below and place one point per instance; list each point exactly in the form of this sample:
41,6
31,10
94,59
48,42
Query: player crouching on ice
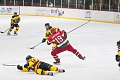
118,53
38,66
62,44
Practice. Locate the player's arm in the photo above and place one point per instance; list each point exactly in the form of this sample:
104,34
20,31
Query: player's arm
19,67
12,20
26,67
46,36
18,17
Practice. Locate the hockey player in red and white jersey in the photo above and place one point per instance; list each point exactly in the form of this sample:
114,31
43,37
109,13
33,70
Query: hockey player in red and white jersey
62,44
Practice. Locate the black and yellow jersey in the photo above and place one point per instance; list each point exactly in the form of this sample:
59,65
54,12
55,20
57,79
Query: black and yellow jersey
32,64
118,53
15,19
48,33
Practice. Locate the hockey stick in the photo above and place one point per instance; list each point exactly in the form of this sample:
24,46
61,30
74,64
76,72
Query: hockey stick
78,27
9,65
35,46
4,31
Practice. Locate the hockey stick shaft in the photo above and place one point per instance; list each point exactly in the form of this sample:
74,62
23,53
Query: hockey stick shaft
35,45
4,31
9,65
78,27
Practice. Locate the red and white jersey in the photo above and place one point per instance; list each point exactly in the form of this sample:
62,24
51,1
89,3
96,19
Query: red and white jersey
59,38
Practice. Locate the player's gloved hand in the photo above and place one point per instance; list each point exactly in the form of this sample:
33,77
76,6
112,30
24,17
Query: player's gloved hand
26,65
48,43
119,64
19,67
117,57
43,40
11,24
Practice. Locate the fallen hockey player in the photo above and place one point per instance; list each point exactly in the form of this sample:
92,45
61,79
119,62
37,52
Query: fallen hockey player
39,67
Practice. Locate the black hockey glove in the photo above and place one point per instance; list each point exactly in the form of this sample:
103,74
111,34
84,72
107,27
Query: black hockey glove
19,67
11,25
43,40
26,65
117,58
119,64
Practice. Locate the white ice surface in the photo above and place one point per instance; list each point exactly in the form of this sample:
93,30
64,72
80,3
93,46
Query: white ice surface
97,41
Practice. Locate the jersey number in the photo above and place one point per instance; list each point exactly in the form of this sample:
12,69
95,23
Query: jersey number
59,39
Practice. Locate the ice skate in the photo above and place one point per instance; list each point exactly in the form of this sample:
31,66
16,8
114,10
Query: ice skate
61,70
50,73
57,63
15,33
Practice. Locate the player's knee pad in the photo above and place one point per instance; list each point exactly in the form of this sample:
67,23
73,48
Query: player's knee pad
41,72
17,28
53,68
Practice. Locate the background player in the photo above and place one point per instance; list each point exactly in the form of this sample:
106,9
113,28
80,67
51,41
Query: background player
14,23
38,66
48,27
62,44
118,53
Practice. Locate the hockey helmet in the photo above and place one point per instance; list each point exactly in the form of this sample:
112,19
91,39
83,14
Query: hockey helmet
53,30
47,24
28,57
118,43
15,12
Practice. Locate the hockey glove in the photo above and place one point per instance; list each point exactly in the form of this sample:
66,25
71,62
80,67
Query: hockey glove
48,43
11,25
43,40
117,58
19,67
119,64
26,65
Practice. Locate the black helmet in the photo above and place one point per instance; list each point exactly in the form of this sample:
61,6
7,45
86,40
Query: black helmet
118,43
28,57
47,24
15,12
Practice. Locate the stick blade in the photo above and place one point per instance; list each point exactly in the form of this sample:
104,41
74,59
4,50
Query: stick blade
1,32
30,47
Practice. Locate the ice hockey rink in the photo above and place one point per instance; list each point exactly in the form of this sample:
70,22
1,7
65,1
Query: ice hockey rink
95,40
